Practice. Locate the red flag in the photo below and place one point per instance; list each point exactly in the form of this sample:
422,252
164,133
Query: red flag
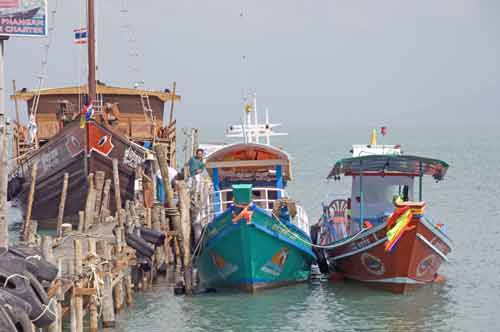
383,130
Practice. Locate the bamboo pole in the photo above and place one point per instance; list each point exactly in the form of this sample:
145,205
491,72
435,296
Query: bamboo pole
94,323
108,308
81,221
62,203
116,182
99,185
32,233
104,210
128,289
47,252
77,300
59,296
185,229
161,155
31,197
4,225
171,118
18,120
90,203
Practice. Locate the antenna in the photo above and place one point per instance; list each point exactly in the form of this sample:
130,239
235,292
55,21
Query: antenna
251,131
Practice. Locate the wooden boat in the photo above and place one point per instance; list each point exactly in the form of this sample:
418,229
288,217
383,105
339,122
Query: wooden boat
374,238
68,140
256,238
63,143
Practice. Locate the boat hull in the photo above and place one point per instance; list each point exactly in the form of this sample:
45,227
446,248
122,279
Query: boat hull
65,154
413,262
252,255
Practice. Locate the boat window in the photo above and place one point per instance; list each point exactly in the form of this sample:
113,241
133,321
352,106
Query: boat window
378,194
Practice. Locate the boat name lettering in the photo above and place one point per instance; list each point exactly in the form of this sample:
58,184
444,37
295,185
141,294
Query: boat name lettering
131,158
360,244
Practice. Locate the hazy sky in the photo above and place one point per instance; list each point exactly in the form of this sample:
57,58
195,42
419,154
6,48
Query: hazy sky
316,62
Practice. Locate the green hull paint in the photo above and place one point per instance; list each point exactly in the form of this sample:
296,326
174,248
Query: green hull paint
255,255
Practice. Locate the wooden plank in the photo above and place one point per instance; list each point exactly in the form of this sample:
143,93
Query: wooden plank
54,288
84,291
101,89
246,163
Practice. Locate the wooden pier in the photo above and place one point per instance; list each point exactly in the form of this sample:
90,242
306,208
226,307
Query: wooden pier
100,265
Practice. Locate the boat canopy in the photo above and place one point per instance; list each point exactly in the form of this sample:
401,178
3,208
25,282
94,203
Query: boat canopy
385,165
249,161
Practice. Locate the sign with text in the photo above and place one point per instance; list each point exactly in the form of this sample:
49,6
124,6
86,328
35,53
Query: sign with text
23,18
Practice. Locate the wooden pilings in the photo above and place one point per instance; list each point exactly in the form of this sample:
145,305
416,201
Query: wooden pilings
116,183
98,268
62,204
31,197
185,230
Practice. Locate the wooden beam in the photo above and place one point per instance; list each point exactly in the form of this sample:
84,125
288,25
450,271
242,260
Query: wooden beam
84,291
246,163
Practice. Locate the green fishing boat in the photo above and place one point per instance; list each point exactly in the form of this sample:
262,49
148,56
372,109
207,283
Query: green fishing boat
256,237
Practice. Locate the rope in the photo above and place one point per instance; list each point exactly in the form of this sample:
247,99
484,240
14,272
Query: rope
328,246
47,308
37,257
14,275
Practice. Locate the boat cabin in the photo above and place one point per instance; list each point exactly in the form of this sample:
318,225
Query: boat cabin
267,168
137,114
380,175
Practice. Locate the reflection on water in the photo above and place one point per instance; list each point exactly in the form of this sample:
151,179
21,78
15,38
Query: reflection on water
326,307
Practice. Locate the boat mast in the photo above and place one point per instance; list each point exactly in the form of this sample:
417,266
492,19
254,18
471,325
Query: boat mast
92,89
91,52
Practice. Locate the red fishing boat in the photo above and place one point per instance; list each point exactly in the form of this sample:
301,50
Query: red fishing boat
381,235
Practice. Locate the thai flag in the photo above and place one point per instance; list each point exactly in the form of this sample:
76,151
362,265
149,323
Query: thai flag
383,130
9,4
80,36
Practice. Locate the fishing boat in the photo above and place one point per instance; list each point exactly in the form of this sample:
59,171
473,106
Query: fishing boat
79,131
380,234
257,237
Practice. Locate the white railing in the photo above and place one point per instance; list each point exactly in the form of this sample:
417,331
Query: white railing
260,196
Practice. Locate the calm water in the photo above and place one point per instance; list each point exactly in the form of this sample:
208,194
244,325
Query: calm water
467,201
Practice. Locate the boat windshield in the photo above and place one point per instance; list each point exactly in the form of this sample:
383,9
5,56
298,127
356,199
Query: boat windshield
378,194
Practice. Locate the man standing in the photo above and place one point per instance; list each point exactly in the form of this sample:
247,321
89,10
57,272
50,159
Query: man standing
196,167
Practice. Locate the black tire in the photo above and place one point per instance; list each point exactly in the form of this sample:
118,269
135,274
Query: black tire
20,319
152,236
6,323
30,290
141,246
14,301
40,268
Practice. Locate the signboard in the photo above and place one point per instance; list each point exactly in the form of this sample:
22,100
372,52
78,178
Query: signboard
23,18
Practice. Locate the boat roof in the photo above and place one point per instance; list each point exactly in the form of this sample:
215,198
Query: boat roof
247,156
390,165
101,89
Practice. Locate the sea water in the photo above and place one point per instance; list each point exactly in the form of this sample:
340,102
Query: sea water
467,202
